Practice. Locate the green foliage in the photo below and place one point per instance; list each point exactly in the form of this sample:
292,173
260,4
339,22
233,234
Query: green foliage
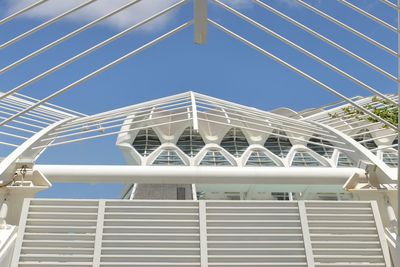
388,112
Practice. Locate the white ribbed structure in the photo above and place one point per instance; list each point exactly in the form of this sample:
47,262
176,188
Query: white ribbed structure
112,233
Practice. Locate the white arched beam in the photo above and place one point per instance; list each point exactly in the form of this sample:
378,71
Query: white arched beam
24,154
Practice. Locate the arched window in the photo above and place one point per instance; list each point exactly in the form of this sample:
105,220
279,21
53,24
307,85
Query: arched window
304,159
214,157
190,142
321,150
260,158
278,145
390,158
344,161
146,141
364,135
235,142
168,157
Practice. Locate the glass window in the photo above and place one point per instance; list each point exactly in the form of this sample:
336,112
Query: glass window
390,158
305,159
146,142
168,157
322,150
259,158
344,161
280,195
180,193
365,135
214,158
280,146
190,142
235,142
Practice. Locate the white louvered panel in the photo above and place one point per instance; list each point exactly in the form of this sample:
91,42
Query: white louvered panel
344,234
154,233
254,233
151,233
59,233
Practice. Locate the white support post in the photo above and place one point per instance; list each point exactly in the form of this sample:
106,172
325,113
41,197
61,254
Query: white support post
381,233
20,234
306,234
200,21
398,122
203,234
99,233
194,113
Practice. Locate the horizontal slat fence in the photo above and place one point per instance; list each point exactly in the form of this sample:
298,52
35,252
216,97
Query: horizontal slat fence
152,233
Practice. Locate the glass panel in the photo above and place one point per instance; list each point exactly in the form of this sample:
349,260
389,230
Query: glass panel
235,142
280,195
280,146
168,157
190,142
365,135
214,158
344,161
305,159
390,158
259,158
322,150
146,142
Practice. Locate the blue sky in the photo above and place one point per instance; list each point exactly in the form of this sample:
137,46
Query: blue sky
223,68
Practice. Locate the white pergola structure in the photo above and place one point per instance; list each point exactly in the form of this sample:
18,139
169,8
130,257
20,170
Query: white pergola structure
29,126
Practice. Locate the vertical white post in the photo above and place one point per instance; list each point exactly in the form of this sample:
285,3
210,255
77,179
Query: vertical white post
381,233
200,21
194,192
306,234
99,234
194,112
21,231
398,122
203,234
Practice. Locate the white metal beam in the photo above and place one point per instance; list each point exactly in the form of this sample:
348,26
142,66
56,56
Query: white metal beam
45,24
98,71
302,73
200,21
197,175
16,14
25,152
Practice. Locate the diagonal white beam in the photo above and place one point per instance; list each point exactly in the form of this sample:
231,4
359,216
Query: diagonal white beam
388,3
20,12
326,40
67,36
368,15
45,24
348,28
305,51
98,71
89,50
302,73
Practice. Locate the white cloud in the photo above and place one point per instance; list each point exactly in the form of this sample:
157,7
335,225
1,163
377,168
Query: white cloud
123,19
239,3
